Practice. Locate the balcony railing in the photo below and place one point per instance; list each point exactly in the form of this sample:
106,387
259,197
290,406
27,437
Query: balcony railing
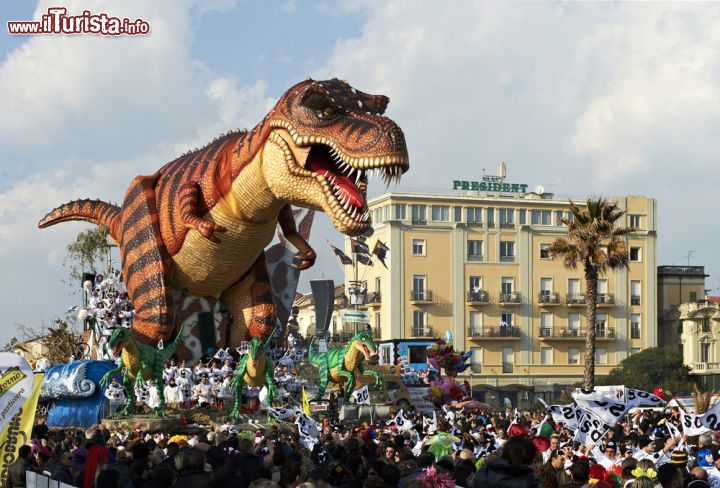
474,224
549,298
507,259
706,367
510,298
495,332
421,296
419,221
373,297
476,368
478,297
507,225
575,334
575,299
605,299
426,331
507,368
475,257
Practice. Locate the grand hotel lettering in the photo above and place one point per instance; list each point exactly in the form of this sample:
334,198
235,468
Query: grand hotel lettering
490,183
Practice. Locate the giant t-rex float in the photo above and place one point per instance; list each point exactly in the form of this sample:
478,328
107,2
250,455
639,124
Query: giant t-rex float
201,223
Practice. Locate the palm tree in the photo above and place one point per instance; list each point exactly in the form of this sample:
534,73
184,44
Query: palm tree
593,241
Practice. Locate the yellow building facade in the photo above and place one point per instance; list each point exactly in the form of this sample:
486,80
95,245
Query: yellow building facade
475,263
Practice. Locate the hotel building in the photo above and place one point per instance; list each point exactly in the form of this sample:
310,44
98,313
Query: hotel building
473,260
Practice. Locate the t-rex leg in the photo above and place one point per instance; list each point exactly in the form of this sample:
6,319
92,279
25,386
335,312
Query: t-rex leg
250,303
349,383
323,373
129,394
238,383
146,263
189,194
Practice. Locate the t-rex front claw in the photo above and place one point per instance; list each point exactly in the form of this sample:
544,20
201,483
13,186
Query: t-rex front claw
306,259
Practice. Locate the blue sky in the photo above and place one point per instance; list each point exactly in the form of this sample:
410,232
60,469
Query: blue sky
582,98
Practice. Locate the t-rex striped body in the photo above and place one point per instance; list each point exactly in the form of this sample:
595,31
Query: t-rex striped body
202,221
338,365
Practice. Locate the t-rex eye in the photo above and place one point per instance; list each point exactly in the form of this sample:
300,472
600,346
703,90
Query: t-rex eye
327,113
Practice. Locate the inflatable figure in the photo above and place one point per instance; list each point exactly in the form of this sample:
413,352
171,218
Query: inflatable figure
340,364
254,369
202,221
139,362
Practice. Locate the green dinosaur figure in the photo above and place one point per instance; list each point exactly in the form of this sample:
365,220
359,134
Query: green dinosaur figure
139,362
339,364
254,369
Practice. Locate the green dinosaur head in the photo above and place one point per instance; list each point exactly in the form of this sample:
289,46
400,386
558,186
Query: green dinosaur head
255,350
118,339
327,138
363,342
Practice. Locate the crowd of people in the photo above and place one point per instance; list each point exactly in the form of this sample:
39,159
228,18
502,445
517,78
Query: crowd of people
460,449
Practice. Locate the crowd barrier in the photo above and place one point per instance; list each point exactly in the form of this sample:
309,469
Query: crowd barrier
34,480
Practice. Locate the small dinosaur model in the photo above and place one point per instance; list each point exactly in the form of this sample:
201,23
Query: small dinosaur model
254,369
140,363
338,365
201,222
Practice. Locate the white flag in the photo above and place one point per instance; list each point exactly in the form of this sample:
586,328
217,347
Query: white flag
568,414
362,396
693,424
401,423
639,398
591,429
430,423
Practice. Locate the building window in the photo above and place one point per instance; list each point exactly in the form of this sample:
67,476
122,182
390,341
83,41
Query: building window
418,323
635,221
544,253
417,213
574,324
635,253
418,247
635,291
693,296
377,285
506,319
546,323
704,352
377,216
508,359
476,323
706,324
477,359
475,250
474,216
558,217
491,217
540,217
506,285
546,355
545,286
440,213
601,355
475,283
573,355
635,326
521,216
507,218
458,214
400,210
507,252
601,325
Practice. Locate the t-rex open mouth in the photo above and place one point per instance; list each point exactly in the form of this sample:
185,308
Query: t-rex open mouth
348,184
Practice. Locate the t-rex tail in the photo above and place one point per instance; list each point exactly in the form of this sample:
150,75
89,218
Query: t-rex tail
94,211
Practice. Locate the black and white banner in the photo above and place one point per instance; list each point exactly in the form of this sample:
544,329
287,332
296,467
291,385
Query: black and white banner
696,424
608,410
639,398
591,429
568,414
362,396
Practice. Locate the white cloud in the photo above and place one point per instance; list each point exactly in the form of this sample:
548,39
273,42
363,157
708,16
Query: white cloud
90,113
595,98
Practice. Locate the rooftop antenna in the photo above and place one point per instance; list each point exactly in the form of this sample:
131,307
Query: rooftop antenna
689,255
